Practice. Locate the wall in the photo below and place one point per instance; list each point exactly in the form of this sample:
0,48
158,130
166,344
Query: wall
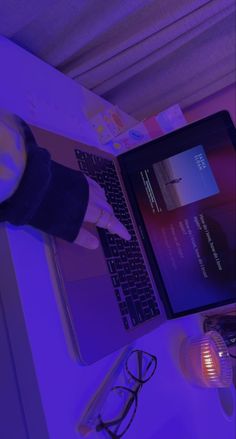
223,100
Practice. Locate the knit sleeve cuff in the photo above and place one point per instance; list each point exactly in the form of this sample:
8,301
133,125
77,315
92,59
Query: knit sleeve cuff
62,209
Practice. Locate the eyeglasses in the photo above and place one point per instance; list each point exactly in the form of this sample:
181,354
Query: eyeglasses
121,404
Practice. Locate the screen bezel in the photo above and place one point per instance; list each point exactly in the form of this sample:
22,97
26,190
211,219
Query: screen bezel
124,161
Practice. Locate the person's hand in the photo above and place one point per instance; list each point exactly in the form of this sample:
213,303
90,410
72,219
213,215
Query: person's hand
99,212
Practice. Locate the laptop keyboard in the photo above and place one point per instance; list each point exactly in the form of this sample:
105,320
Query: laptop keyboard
130,279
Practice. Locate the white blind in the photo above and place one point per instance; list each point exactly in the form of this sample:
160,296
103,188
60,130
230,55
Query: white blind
143,55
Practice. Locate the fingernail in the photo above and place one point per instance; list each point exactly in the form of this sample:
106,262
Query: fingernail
128,236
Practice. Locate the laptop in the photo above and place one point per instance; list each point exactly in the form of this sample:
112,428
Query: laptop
176,196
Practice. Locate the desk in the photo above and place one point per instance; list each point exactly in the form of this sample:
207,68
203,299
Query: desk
169,406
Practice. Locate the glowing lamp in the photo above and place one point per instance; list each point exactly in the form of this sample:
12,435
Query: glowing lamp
206,361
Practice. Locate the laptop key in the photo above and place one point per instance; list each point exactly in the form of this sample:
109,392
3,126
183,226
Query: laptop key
133,292
126,292
120,245
99,179
117,293
83,166
123,256
127,269
153,309
81,155
139,310
132,284
126,323
115,280
119,264
122,277
142,297
123,308
125,287
114,251
132,311
111,239
111,266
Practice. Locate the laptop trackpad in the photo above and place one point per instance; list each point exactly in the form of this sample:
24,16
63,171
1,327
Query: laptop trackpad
79,263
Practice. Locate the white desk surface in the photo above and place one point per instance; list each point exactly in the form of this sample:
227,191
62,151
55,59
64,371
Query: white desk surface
169,407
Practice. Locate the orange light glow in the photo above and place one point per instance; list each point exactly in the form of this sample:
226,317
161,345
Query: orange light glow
210,363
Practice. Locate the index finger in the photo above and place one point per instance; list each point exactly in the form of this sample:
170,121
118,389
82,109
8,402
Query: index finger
117,227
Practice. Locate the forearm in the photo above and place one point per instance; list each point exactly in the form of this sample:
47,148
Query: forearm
47,195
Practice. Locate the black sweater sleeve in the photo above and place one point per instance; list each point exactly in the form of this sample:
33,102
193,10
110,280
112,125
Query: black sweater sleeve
50,197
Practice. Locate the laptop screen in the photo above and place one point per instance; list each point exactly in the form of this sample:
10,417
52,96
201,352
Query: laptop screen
183,189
